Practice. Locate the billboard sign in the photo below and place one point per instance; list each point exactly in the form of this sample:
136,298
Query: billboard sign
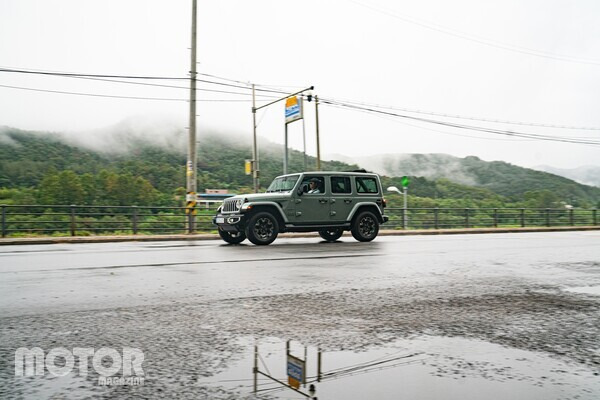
295,371
293,109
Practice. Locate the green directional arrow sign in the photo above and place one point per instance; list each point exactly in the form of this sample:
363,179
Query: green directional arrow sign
405,181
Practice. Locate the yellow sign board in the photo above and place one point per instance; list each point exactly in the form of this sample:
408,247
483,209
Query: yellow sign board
293,383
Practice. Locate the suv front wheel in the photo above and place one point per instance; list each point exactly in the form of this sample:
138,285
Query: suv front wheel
365,227
262,228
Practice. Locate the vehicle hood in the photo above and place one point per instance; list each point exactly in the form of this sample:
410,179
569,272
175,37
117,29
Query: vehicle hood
263,196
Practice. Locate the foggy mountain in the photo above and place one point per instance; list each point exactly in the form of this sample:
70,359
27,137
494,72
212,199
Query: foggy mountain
499,176
588,175
157,153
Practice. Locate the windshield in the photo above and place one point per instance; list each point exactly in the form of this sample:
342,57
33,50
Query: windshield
283,183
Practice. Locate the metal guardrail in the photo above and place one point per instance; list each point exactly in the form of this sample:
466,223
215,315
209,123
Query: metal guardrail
448,218
74,220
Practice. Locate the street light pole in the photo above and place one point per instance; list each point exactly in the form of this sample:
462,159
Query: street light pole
405,194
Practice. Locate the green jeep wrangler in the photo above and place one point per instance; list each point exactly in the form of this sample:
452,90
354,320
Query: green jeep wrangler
325,202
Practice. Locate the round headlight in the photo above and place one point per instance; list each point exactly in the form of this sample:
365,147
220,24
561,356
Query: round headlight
238,203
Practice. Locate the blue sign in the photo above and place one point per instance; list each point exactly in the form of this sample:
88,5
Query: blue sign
293,109
295,368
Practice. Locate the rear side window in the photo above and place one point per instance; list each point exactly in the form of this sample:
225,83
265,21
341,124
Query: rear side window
340,184
366,185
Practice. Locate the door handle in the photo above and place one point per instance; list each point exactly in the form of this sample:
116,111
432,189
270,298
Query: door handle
322,201
347,201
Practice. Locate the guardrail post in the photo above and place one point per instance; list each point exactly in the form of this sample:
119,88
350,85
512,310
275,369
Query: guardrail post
190,219
404,218
547,217
467,217
495,217
594,216
522,218
134,219
571,217
73,227
436,218
4,220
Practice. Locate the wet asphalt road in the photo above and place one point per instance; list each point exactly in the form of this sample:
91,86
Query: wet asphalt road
192,307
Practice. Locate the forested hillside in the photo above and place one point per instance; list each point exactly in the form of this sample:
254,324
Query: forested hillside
44,168
498,176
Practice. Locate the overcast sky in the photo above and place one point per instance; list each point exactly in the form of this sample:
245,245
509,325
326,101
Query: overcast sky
534,61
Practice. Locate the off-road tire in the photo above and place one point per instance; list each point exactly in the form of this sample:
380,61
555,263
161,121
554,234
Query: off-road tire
365,227
262,228
232,237
331,235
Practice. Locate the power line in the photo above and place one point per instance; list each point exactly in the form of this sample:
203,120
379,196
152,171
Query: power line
332,102
275,88
23,71
109,78
463,126
457,116
119,97
473,38
396,120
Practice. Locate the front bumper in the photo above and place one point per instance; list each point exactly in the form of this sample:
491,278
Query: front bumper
385,218
230,222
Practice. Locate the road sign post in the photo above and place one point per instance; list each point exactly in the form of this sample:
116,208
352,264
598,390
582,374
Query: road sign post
293,112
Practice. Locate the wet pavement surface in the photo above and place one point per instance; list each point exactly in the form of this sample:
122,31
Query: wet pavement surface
499,316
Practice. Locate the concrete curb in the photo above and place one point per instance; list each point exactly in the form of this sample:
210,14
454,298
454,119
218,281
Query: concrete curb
209,236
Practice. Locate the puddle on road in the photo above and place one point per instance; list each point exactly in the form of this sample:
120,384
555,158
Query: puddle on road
425,368
595,290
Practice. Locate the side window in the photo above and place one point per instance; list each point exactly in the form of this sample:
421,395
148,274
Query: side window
366,185
340,184
315,184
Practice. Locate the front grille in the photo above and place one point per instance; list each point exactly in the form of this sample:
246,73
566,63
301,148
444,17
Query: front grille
229,206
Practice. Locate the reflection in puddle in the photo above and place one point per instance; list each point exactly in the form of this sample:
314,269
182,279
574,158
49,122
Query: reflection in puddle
595,290
424,368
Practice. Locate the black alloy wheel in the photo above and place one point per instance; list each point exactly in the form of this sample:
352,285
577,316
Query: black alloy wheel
262,228
365,227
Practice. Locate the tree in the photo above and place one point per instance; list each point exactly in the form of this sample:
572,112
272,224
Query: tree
61,188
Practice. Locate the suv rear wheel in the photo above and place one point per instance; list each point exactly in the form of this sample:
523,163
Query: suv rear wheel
262,228
365,227
232,237
331,235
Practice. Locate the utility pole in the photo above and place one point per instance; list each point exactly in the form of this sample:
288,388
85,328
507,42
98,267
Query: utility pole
318,143
192,152
254,145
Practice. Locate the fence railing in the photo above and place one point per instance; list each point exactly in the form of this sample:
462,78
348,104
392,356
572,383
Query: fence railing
447,218
74,220
77,220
